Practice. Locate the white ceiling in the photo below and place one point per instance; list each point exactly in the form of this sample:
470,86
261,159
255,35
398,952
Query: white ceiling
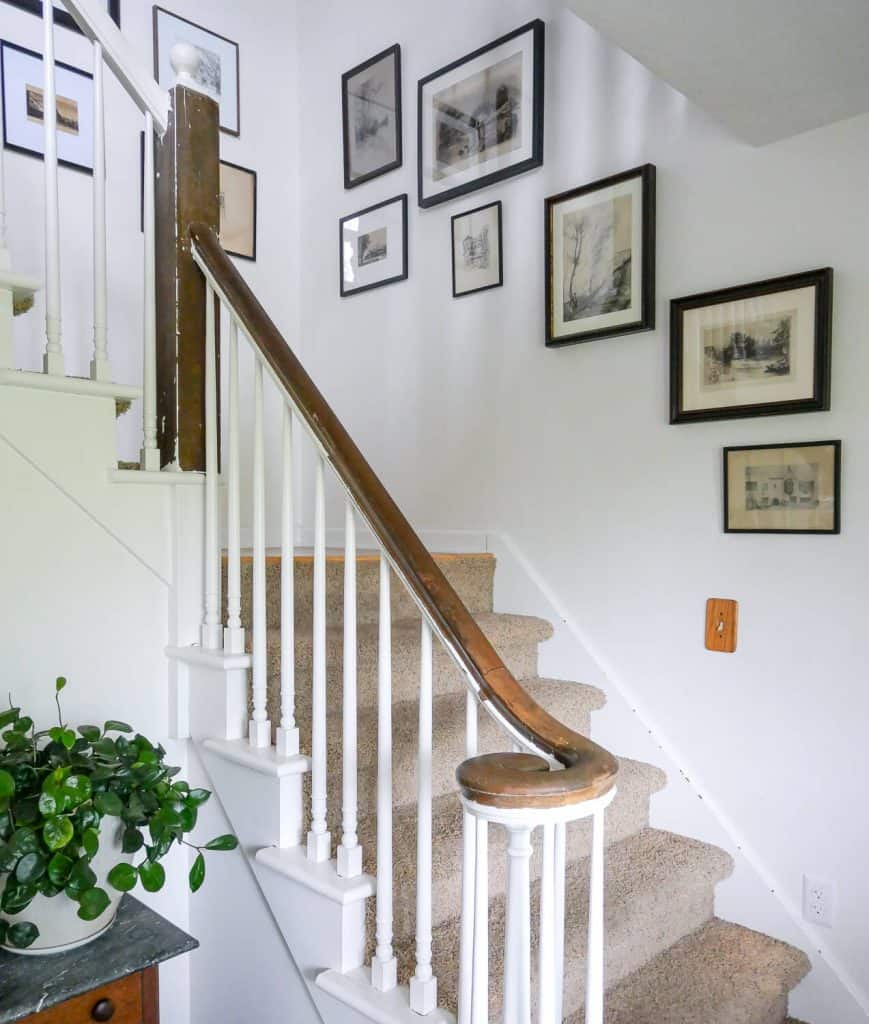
767,69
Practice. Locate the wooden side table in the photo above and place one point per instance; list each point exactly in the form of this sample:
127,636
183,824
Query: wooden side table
114,978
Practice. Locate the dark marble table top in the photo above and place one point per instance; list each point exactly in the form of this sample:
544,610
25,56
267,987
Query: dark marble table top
139,938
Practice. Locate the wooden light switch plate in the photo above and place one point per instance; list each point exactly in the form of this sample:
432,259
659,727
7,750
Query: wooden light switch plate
721,622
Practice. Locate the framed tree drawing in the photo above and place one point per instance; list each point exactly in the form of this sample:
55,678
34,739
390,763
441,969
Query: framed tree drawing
481,117
758,349
600,258
373,246
371,108
62,16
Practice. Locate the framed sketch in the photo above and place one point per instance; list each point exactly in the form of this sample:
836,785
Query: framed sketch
238,210
371,105
600,258
23,127
758,349
218,67
62,16
374,246
477,250
784,488
481,117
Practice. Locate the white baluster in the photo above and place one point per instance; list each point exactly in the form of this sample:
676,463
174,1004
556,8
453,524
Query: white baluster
384,968
319,840
100,368
560,868
150,454
259,728
211,631
480,972
423,985
547,983
288,733
594,957
349,852
517,959
53,359
469,857
233,634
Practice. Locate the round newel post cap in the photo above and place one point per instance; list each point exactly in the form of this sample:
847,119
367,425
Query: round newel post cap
186,61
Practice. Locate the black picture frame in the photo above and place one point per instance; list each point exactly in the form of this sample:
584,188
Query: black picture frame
646,173
819,401
466,213
24,150
254,212
402,275
536,27
351,182
64,18
837,485
156,11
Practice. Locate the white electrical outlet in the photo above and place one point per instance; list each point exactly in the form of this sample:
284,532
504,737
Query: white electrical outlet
818,901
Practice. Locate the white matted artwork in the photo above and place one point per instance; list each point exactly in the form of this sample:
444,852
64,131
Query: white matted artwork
373,246
23,99
218,66
477,250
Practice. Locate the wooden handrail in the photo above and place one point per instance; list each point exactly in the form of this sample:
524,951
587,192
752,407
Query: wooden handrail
508,780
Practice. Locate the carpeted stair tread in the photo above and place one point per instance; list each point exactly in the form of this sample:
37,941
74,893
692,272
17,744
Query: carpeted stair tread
720,974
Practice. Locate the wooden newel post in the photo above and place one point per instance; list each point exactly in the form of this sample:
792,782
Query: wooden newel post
188,190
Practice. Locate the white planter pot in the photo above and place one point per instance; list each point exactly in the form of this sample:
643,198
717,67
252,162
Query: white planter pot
60,927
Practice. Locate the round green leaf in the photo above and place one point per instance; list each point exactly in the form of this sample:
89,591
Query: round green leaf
59,868
198,796
188,818
16,897
9,716
81,878
222,843
59,684
90,840
8,857
57,832
90,732
27,811
30,868
23,724
114,726
77,789
152,875
86,817
25,777
123,877
67,738
24,840
7,783
49,804
197,873
108,803
92,904
22,934
132,841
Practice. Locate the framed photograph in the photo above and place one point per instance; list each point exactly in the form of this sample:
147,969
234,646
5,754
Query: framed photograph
758,349
62,16
374,246
784,488
600,258
238,210
371,106
477,250
481,117
218,68
21,74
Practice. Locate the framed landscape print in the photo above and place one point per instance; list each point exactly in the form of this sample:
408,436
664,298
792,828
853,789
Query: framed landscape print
477,250
23,128
62,16
218,67
238,210
371,106
374,246
785,488
481,117
758,349
600,258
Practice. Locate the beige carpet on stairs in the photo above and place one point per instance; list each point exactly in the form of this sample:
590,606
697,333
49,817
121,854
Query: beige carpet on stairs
668,959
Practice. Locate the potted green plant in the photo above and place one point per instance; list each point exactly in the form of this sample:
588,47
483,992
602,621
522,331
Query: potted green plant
85,816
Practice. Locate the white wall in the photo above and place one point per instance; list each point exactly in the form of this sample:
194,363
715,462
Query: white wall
472,423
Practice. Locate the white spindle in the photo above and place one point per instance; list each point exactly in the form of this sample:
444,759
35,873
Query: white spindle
349,852
517,958
53,359
469,857
547,981
480,970
100,368
384,968
211,631
423,985
288,733
233,634
560,867
150,454
595,954
259,728
319,840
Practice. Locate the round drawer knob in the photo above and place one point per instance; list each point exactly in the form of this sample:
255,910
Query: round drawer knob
104,1010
